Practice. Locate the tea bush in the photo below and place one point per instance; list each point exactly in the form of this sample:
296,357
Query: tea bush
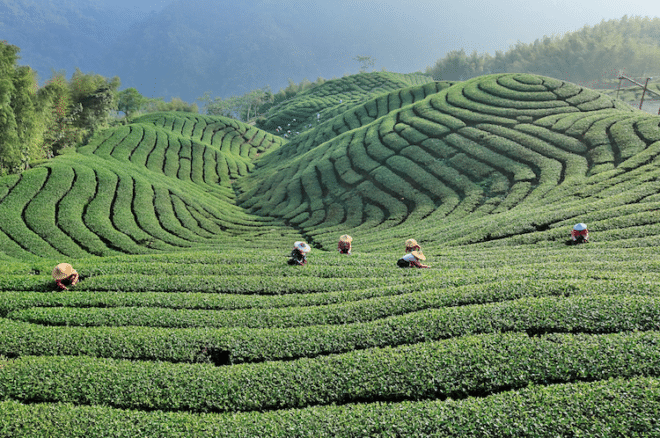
189,321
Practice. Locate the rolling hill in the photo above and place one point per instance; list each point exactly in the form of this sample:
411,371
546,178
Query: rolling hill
502,159
189,322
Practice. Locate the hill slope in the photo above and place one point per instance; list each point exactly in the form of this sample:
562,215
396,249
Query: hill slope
498,159
162,183
501,159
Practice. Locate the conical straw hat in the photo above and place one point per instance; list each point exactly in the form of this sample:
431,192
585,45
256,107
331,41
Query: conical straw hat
580,227
62,271
418,255
345,238
411,242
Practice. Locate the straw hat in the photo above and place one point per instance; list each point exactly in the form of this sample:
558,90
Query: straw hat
580,227
303,247
62,271
418,255
345,238
411,242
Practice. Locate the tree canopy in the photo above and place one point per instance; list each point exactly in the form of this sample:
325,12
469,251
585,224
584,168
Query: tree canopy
628,45
18,121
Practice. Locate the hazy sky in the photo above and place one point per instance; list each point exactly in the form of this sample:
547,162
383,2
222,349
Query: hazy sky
496,25
143,5
441,25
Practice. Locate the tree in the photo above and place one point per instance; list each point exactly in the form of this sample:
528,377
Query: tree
366,62
242,107
97,96
592,53
26,114
253,100
9,143
19,127
291,89
59,114
228,107
176,104
130,101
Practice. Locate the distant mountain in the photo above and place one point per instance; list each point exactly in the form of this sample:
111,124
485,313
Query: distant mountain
63,34
193,46
228,47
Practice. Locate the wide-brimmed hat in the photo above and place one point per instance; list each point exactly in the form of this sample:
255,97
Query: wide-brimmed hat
302,247
418,255
411,242
62,271
345,238
580,227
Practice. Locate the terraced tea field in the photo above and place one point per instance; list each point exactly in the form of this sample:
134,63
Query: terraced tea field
188,321
496,160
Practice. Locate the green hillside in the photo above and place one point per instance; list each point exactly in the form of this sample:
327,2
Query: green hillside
501,159
316,105
188,321
162,183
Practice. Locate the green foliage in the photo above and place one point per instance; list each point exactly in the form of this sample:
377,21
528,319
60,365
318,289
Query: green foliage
483,146
353,338
20,131
597,408
244,108
59,115
428,370
192,306
97,97
9,152
589,55
158,104
318,102
129,101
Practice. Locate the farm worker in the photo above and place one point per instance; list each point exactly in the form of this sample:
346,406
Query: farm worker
579,233
411,245
299,253
412,259
344,245
64,273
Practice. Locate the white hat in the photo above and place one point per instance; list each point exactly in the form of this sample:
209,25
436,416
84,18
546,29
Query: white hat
303,247
580,227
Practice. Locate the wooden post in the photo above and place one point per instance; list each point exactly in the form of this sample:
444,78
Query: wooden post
643,93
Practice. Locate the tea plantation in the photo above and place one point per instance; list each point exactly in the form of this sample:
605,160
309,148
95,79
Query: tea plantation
188,321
